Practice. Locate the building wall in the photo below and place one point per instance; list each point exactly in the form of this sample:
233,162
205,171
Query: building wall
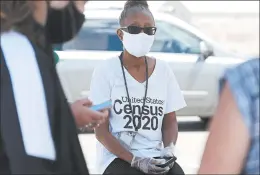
235,31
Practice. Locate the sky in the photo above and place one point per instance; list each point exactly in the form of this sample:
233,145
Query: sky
222,6
193,6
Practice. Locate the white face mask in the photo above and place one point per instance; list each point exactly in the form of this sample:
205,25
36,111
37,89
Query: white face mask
137,45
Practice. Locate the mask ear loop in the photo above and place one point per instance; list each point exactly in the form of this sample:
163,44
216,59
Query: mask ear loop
73,20
122,38
48,7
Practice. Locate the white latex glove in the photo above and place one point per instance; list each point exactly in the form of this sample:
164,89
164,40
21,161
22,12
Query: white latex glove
148,165
168,152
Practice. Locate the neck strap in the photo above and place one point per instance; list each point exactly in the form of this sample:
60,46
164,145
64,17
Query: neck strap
139,118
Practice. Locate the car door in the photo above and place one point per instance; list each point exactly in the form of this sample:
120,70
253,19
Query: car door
181,49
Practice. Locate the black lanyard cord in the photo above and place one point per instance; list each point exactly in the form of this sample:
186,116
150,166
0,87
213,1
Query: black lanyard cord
136,127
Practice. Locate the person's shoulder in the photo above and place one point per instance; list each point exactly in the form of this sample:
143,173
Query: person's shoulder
107,66
249,67
163,66
109,63
245,75
13,38
243,81
246,67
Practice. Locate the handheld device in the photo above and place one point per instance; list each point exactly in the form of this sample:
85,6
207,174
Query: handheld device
169,160
104,105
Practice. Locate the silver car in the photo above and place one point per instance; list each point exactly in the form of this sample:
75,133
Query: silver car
196,60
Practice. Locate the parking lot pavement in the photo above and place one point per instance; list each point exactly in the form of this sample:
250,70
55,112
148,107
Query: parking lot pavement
189,149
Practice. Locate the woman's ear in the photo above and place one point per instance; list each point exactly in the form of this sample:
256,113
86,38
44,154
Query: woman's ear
120,34
2,15
40,11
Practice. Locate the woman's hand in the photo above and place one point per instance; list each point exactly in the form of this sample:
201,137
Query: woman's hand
168,152
148,165
84,116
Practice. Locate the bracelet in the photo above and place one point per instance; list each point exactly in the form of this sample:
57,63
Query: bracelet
83,129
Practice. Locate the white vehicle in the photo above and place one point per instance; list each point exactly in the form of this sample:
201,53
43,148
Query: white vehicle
196,60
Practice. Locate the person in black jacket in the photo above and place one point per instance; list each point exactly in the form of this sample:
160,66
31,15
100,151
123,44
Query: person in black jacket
38,134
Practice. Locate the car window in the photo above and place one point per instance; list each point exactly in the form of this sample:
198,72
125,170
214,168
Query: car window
170,38
98,34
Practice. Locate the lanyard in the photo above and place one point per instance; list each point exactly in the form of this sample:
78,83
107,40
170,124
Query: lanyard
136,126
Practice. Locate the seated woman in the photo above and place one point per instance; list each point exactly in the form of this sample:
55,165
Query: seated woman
145,95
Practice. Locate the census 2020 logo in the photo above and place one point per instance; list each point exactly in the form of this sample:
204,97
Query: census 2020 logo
153,110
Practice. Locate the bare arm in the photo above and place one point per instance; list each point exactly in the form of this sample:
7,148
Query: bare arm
111,143
169,129
228,141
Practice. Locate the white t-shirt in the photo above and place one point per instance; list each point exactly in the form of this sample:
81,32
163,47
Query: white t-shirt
163,96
